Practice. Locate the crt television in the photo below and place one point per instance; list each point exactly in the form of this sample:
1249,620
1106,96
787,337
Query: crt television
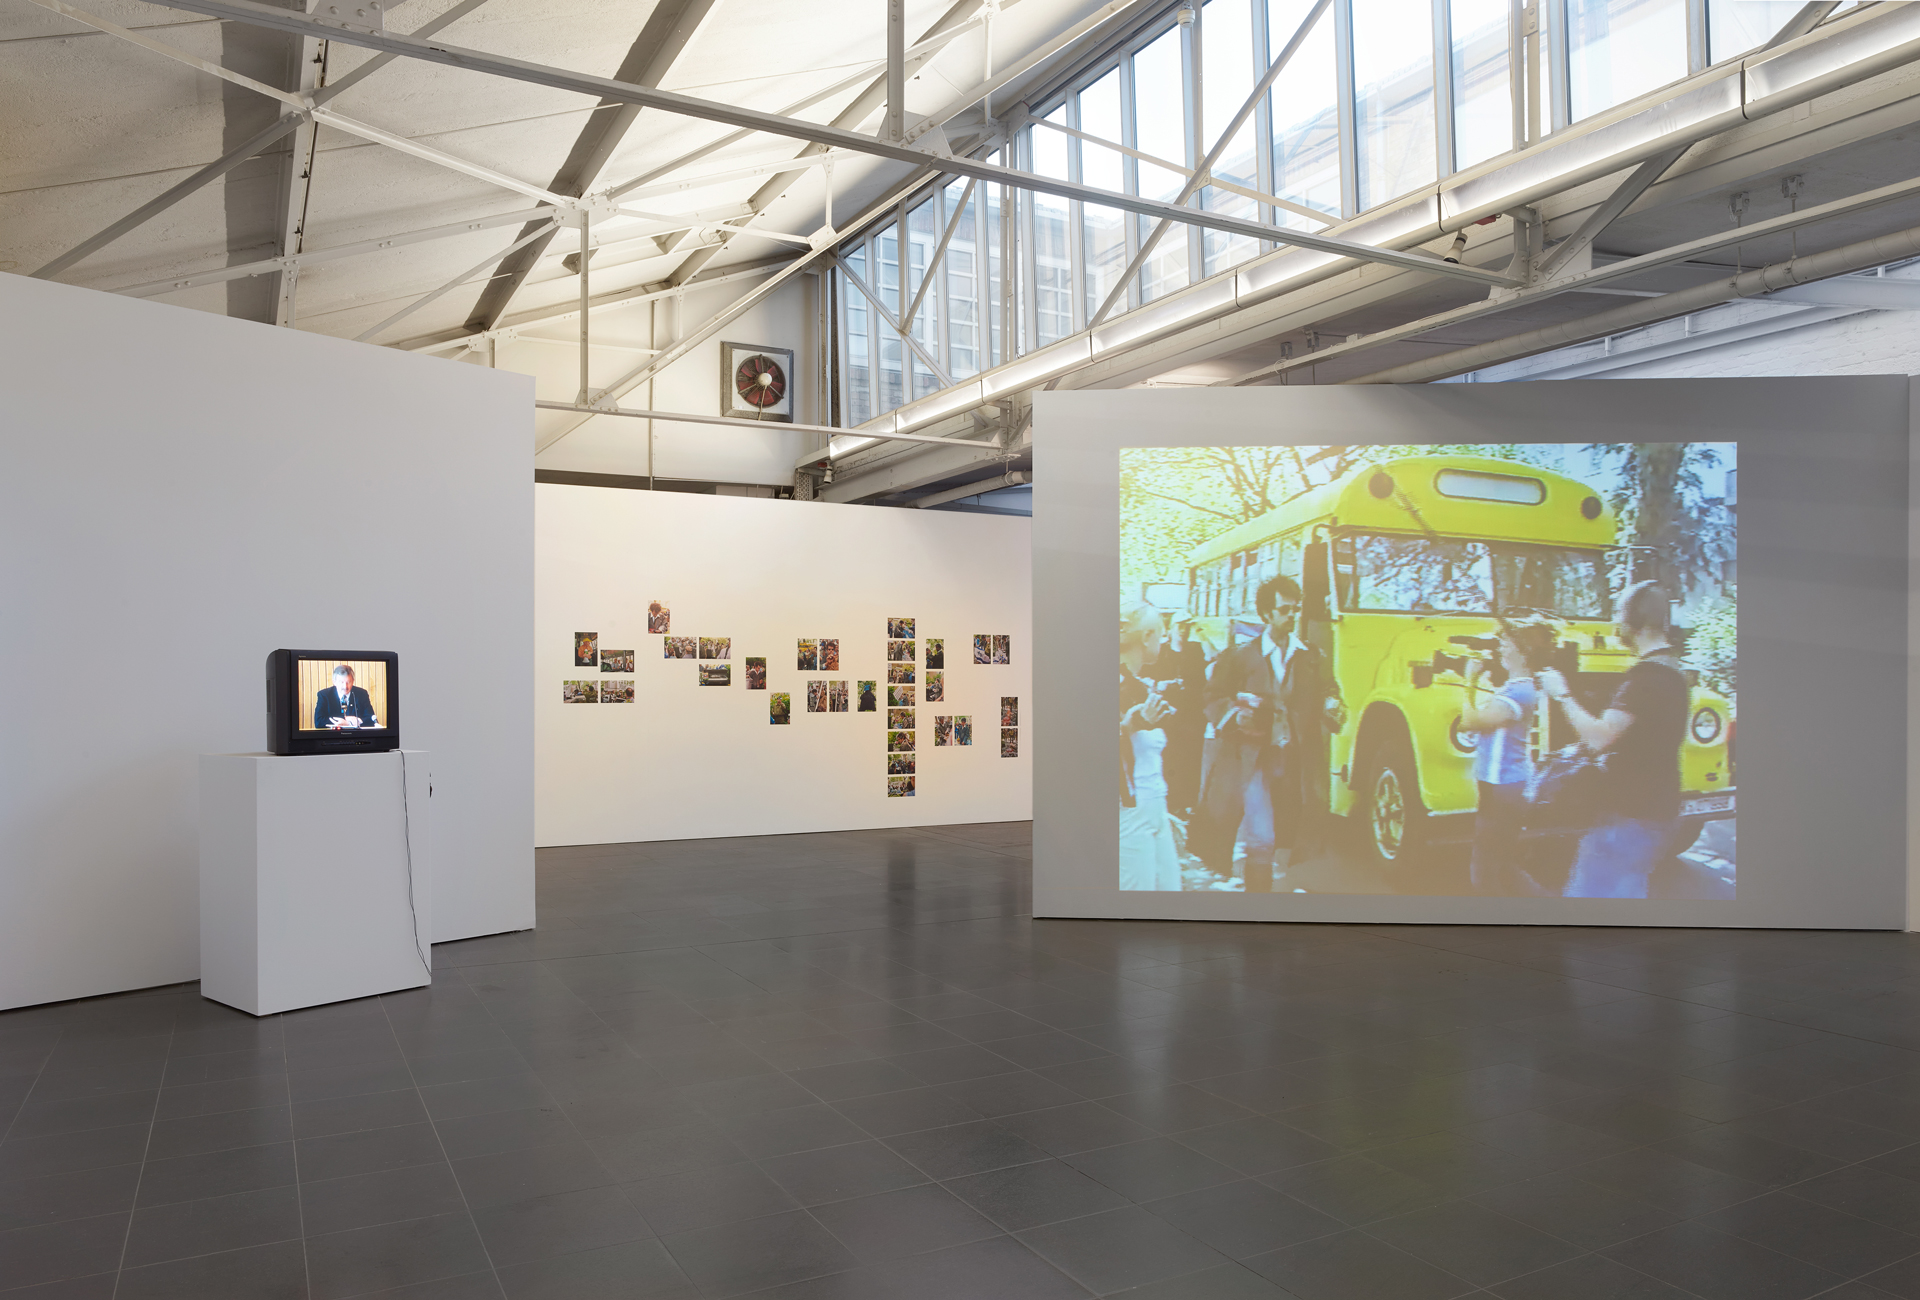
333,701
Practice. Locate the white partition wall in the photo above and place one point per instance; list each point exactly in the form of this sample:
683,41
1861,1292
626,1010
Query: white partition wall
181,493
690,761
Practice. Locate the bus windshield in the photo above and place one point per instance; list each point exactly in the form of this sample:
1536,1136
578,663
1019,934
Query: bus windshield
1442,575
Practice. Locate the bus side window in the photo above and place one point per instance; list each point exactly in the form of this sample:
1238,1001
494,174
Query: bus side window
1343,571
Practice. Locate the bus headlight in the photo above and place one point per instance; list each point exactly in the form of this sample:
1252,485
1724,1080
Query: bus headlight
1706,726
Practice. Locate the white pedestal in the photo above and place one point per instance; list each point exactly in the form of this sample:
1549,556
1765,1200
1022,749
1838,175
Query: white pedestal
304,877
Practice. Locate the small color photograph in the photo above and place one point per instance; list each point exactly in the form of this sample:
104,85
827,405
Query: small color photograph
716,674
808,660
716,647
899,787
899,764
586,649
836,697
1009,742
616,692
936,686
963,729
899,629
869,697
942,730
900,674
899,697
657,617
1002,649
900,651
780,708
581,692
756,673
983,649
680,647
1009,710
816,697
936,652
829,655
900,719
898,742
616,661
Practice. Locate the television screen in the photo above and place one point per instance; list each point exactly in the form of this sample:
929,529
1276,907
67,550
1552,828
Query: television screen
341,694
333,701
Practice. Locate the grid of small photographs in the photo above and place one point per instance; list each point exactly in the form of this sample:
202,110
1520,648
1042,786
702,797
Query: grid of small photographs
995,649
817,654
900,686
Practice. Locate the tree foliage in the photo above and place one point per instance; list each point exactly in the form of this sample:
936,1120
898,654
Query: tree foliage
1680,536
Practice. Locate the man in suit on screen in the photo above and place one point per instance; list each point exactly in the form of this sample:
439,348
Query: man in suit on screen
1270,706
343,706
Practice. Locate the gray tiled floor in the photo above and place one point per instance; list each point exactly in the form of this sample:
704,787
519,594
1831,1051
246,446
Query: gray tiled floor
848,1067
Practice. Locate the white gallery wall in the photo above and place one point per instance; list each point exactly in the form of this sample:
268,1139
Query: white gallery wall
691,761
181,493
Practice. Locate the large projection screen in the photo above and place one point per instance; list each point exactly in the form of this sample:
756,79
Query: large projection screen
1461,654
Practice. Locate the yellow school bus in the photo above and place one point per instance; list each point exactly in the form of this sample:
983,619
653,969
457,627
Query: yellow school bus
1397,561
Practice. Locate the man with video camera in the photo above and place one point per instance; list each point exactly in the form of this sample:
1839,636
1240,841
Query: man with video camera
1638,738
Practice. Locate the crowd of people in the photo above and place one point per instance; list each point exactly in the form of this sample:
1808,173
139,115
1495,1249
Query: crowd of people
1223,759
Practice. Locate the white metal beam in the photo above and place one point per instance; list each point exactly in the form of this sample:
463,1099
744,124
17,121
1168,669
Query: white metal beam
154,288
829,136
485,265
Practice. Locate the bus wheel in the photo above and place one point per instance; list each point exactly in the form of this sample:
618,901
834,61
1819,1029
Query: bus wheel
1393,831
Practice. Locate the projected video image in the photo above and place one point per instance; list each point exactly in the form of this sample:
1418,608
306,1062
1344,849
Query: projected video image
1504,670
342,695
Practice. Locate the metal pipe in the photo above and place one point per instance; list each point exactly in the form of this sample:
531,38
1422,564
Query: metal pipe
728,422
1646,311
